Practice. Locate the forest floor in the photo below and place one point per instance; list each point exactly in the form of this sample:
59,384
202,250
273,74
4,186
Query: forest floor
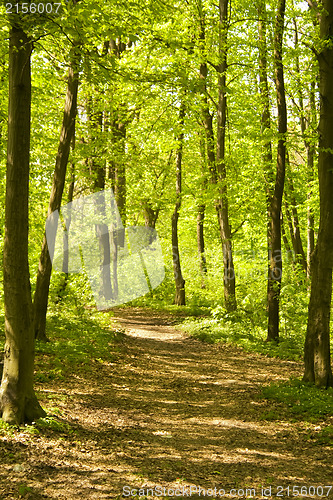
170,412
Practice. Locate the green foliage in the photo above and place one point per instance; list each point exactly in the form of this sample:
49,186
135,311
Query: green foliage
238,328
303,401
23,490
75,342
54,424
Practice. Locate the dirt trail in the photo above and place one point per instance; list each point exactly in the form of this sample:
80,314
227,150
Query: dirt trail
173,412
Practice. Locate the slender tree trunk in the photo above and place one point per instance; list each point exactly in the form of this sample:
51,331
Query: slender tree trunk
310,223
308,122
310,164
18,402
267,156
274,282
293,220
65,262
216,161
119,134
201,208
66,135
201,243
98,173
179,280
221,205
285,240
317,355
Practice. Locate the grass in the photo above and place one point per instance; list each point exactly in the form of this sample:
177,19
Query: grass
302,401
237,328
75,342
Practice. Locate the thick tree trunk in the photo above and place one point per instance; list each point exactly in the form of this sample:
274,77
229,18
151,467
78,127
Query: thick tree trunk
317,344
18,402
275,275
59,176
150,215
179,280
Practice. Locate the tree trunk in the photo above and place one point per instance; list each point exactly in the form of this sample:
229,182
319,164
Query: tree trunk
179,280
317,344
201,243
59,176
119,134
18,402
294,228
311,151
216,162
65,261
151,216
201,208
98,172
285,240
267,156
310,215
221,205
308,122
275,275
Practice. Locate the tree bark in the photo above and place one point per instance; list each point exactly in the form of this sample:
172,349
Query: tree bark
222,205
201,243
317,354
18,402
98,173
294,225
308,121
66,135
267,156
201,208
275,275
179,280
216,161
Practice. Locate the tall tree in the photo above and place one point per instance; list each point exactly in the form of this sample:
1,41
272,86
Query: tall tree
222,204
59,177
201,208
293,221
317,354
179,280
18,402
216,158
275,275
267,156
308,122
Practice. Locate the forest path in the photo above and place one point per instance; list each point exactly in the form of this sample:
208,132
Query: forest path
171,412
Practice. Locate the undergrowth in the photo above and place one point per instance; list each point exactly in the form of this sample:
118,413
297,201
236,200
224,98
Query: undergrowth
239,329
75,342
